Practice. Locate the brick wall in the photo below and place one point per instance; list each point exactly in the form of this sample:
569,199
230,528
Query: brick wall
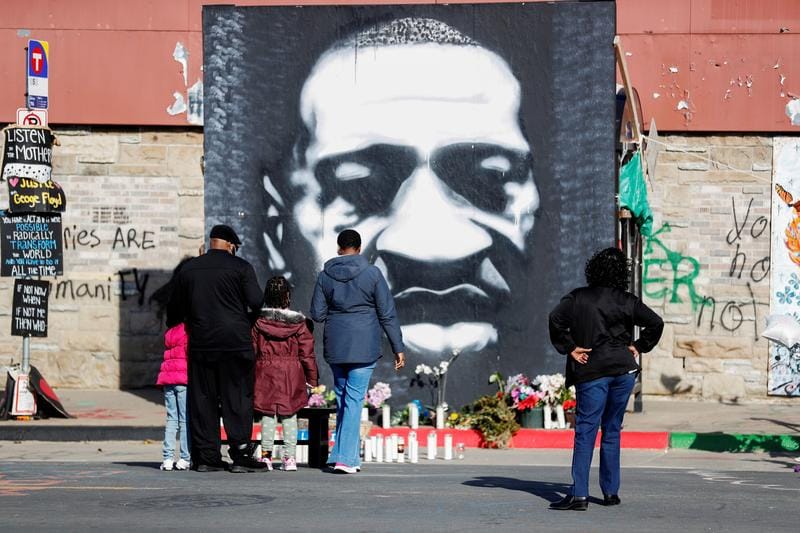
134,209
706,266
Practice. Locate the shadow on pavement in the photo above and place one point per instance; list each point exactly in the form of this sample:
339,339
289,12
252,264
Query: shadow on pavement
552,492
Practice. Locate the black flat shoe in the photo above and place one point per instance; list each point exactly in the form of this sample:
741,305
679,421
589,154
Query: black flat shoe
611,499
212,467
571,503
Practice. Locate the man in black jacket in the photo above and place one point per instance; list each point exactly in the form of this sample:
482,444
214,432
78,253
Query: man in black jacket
216,292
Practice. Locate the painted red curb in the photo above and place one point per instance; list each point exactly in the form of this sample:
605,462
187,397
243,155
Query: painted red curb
532,438
553,439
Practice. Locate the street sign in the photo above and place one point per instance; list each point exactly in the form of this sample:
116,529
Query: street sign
31,117
38,68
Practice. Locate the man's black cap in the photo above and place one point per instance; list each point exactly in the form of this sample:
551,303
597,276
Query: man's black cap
226,233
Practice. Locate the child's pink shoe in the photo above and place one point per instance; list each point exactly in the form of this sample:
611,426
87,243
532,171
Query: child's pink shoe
289,464
267,461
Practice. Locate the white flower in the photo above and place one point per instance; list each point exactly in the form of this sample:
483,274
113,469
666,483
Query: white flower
443,366
423,369
445,407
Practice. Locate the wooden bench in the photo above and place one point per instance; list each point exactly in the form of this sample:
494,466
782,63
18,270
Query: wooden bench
317,434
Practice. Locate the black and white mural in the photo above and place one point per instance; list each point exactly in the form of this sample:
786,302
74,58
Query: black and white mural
472,146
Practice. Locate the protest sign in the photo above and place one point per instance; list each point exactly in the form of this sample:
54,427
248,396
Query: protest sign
31,245
26,195
28,152
29,317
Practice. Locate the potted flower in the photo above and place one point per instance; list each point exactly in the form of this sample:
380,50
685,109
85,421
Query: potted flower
526,401
569,412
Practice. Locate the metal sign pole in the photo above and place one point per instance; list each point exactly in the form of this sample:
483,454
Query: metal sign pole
26,354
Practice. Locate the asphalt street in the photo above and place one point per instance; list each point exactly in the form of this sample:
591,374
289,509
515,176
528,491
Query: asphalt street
114,489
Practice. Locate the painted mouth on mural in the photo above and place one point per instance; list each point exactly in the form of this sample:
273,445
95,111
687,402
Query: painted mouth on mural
464,302
436,339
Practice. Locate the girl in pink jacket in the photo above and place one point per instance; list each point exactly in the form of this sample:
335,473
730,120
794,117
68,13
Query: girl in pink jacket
173,377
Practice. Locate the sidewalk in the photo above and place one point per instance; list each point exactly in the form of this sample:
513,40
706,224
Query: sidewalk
102,415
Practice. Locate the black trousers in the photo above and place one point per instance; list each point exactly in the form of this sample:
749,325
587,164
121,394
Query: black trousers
220,383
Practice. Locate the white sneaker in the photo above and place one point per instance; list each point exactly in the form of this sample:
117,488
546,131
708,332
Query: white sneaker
166,465
289,464
182,464
344,469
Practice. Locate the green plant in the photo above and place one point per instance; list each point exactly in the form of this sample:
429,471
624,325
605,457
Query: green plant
494,418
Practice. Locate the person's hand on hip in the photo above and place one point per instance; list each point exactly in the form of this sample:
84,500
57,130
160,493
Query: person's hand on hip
581,355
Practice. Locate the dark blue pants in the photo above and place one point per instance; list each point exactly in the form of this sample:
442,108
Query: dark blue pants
601,403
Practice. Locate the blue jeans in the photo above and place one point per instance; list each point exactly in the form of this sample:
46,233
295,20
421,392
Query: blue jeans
175,402
601,403
350,382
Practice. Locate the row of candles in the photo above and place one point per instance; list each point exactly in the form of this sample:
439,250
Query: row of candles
392,449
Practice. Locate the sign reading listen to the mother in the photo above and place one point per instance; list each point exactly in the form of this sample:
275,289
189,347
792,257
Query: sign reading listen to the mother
31,245
28,152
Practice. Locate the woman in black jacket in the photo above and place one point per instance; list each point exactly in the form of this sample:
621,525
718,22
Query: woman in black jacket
594,326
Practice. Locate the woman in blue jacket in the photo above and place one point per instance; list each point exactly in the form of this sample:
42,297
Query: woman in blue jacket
353,300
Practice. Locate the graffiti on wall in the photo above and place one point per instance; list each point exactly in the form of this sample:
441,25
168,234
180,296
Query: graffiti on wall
671,276
429,130
784,363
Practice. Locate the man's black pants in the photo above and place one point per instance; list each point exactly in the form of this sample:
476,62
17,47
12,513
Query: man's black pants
219,383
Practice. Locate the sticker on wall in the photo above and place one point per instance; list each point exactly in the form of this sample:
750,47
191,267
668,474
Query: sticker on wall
27,195
784,361
28,152
31,245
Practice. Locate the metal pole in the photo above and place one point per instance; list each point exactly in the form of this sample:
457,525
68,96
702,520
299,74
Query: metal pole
26,354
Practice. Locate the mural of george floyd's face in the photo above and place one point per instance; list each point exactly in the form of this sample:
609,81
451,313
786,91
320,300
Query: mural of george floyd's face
418,147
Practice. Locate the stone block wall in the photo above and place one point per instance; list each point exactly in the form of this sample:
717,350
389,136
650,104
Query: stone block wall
134,209
706,266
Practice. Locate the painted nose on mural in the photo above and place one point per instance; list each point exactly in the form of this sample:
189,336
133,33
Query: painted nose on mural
429,222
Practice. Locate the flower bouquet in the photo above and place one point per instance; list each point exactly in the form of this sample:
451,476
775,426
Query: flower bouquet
525,400
321,397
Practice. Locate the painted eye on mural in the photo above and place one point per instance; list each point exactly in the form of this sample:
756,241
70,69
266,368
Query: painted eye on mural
367,179
479,172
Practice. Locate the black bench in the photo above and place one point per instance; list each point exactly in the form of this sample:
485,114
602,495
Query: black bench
317,434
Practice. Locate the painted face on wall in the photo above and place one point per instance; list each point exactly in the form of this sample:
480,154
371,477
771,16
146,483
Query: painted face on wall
418,147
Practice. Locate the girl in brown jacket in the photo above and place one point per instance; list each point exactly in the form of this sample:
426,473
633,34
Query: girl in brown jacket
285,366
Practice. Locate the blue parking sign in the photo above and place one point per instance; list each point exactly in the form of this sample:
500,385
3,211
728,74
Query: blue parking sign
38,69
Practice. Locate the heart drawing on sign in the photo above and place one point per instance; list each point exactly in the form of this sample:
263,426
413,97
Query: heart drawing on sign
13,181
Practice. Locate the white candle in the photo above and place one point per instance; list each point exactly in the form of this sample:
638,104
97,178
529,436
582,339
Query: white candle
387,451
548,417
379,448
439,417
368,450
413,447
394,439
364,414
413,416
431,445
562,421
386,416
448,447
373,442
401,450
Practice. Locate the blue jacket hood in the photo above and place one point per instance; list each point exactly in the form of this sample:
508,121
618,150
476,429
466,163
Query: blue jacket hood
346,267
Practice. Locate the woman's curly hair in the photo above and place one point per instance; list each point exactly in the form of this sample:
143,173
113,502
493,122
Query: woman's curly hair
608,268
